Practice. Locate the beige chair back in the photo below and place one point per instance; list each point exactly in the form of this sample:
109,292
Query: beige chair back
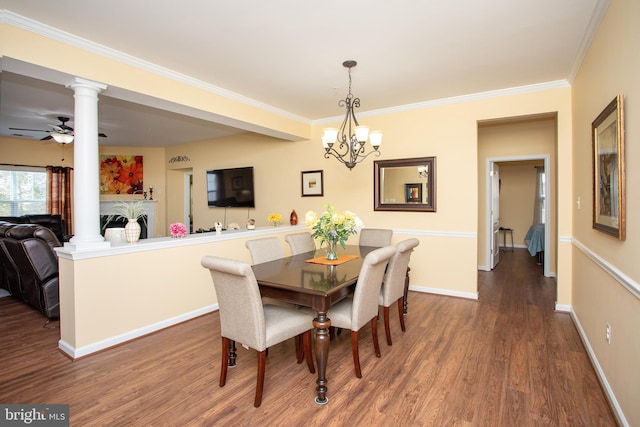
376,237
300,242
265,249
365,297
241,312
393,286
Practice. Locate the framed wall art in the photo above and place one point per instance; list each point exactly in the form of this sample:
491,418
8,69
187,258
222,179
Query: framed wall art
312,184
609,203
121,174
413,193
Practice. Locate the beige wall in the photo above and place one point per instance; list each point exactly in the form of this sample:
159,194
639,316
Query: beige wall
606,269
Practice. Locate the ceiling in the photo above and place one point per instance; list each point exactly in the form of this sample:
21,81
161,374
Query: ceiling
286,55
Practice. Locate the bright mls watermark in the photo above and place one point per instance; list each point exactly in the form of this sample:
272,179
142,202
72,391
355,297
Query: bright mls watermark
34,415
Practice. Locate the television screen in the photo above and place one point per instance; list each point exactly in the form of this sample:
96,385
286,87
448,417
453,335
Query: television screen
230,188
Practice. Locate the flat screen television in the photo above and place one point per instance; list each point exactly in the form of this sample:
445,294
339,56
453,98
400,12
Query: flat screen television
230,188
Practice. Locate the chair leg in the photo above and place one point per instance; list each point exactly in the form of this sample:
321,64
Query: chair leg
387,329
306,343
299,348
225,361
400,313
262,361
356,355
374,333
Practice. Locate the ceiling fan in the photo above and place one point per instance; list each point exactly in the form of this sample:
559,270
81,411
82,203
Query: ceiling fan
61,132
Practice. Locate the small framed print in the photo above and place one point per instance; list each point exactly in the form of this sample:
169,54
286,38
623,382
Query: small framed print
413,193
312,184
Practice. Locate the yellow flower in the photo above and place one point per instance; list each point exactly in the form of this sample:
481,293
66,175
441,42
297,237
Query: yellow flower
274,217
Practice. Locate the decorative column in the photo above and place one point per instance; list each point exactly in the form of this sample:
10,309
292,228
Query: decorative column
86,206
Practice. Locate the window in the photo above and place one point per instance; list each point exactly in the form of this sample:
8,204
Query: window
23,191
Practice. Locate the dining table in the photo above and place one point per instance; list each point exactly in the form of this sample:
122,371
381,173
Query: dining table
309,280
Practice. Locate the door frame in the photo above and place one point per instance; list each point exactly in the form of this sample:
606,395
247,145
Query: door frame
547,217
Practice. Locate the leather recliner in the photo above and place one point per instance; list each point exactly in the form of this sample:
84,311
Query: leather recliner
31,249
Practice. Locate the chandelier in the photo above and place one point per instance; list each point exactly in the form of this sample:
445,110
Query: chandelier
351,136
423,171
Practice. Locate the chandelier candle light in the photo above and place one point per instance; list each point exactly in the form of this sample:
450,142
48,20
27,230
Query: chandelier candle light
351,136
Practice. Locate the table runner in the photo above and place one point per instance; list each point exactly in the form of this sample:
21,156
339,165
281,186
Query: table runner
323,260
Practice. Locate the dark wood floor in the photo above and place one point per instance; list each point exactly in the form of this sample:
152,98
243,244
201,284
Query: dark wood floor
505,360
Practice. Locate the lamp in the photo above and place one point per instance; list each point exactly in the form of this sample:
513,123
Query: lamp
423,171
351,135
62,138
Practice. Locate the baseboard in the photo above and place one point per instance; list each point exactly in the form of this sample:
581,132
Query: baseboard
617,410
563,308
445,292
75,353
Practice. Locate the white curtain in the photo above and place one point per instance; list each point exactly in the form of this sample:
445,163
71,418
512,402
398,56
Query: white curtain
540,197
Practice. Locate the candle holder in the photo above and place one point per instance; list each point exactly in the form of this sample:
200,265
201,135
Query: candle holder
150,193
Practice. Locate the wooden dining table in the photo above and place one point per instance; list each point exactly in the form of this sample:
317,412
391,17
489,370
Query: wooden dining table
296,280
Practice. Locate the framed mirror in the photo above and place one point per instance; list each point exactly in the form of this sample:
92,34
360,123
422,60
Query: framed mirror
405,185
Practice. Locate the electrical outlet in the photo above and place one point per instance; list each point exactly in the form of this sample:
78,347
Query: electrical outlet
608,334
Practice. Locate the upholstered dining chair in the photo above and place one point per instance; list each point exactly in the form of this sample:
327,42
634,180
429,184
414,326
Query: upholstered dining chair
300,242
244,319
376,237
393,284
265,249
354,313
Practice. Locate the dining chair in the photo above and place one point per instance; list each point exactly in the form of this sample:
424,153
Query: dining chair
244,318
300,242
394,280
376,237
354,313
265,249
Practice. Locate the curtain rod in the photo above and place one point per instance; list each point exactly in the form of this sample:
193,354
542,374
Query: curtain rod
30,166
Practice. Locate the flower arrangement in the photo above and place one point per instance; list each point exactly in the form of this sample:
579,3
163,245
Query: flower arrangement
128,210
274,218
178,229
333,226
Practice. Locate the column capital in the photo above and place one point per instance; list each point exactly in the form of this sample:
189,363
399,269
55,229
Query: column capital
80,82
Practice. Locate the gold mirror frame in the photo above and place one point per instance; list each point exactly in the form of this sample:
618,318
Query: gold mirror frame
609,202
399,186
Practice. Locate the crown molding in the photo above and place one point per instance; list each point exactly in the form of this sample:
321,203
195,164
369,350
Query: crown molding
19,21
518,90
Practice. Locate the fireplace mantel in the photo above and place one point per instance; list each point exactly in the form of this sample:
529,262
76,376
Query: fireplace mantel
106,208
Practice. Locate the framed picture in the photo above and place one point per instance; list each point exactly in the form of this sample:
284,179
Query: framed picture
609,203
121,174
413,193
312,184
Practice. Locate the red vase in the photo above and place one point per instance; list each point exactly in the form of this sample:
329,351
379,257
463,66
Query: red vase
293,219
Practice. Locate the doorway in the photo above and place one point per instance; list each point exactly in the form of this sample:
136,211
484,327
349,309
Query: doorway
493,215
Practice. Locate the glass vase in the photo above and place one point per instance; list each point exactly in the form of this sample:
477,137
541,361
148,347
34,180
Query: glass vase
331,250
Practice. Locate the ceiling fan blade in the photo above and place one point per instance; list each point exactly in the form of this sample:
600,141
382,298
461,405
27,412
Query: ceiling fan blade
46,138
57,128
31,130
102,135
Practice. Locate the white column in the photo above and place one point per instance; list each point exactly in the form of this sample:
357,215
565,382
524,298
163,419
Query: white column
86,194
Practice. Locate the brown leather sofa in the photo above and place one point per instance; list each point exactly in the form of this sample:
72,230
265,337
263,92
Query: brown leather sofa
53,222
29,266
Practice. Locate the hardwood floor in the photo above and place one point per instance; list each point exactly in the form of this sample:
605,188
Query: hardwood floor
505,360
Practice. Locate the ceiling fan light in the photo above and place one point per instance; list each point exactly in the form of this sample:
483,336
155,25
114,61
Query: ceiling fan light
62,138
